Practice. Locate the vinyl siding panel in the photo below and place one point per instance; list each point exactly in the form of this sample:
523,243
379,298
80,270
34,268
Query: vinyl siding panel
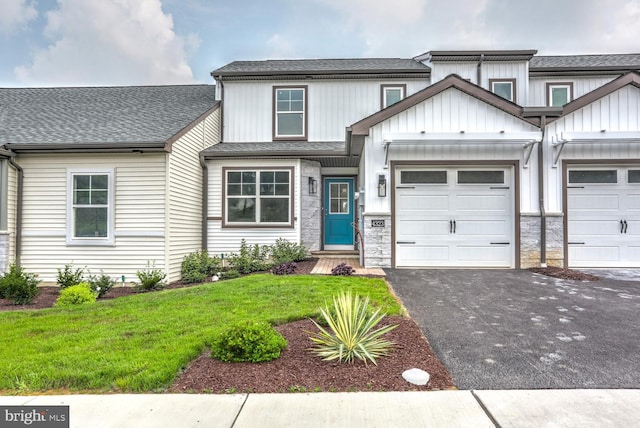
227,240
139,181
466,70
508,70
185,192
581,86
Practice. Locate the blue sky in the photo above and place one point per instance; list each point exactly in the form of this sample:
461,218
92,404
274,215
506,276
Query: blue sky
140,42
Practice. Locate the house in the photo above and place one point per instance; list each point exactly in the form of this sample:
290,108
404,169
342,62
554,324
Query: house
500,159
108,178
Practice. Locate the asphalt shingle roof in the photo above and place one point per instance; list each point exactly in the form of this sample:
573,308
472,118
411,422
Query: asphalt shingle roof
303,148
100,115
322,66
586,61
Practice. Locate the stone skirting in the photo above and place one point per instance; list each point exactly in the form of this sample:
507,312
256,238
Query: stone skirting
377,240
530,240
310,206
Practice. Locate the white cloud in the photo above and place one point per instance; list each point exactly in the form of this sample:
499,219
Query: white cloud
15,14
98,42
279,47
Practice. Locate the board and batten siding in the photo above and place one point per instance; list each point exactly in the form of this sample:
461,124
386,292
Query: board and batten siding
140,211
616,112
581,86
448,111
333,105
227,240
184,178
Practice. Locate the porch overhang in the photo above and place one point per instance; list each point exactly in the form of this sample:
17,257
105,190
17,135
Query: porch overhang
600,137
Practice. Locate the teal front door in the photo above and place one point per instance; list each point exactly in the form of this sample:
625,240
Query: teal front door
338,214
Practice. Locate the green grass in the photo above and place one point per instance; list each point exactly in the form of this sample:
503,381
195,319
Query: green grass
139,343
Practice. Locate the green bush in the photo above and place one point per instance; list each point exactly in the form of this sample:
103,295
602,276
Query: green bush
79,294
229,274
18,286
68,276
352,332
250,258
284,251
248,342
101,284
151,278
198,267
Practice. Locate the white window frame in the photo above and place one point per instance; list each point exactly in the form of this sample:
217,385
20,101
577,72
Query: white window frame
85,241
386,88
303,112
258,197
564,85
512,82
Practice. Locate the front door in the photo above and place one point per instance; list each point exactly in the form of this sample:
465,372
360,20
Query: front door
338,214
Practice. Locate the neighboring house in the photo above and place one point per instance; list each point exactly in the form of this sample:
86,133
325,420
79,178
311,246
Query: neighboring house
444,160
107,178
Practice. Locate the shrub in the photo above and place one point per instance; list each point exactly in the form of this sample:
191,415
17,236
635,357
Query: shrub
151,278
285,268
68,277
342,269
18,286
352,332
79,294
198,266
229,274
284,251
249,341
250,258
101,284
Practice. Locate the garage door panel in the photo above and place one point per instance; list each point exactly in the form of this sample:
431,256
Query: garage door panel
482,203
633,203
488,228
586,255
424,203
482,255
594,201
582,228
423,255
415,228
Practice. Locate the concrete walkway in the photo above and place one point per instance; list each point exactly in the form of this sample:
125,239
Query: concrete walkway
514,408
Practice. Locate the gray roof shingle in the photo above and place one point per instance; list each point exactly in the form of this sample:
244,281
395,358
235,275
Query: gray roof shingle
95,116
616,61
322,66
298,148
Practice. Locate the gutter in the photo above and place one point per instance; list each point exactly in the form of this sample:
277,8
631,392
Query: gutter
18,242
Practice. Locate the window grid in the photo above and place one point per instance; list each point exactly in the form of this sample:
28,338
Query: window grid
259,197
339,198
290,117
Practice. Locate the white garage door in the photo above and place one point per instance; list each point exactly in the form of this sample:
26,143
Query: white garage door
454,217
603,216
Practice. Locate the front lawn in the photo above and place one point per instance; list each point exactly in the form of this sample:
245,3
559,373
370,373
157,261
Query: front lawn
139,343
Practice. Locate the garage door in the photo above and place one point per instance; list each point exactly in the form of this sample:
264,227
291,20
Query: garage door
603,216
454,217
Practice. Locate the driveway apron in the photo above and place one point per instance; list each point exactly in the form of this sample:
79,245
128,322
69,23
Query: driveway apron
513,329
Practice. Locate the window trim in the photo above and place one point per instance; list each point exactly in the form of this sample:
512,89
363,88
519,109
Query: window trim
383,93
83,241
492,82
551,85
305,114
257,224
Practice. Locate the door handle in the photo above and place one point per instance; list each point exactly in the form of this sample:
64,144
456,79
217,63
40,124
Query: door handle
454,226
406,242
625,227
450,226
621,226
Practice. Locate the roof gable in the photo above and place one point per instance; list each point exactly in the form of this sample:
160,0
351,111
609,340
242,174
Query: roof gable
453,81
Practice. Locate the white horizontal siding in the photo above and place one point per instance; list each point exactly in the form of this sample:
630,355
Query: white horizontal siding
12,193
139,214
581,86
332,106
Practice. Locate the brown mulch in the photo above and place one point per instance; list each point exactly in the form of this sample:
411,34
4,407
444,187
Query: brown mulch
557,272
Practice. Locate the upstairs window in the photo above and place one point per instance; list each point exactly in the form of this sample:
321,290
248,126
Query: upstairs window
290,115
506,88
90,207
559,94
391,94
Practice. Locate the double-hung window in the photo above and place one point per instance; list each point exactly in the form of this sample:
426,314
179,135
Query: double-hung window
290,113
261,197
559,94
391,94
90,210
506,88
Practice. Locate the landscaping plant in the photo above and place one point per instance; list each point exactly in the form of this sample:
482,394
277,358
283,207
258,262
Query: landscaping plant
68,276
229,274
79,294
284,251
18,286
352,332
250,258
248,342
288,268
151,278
199,266
101,284
342,269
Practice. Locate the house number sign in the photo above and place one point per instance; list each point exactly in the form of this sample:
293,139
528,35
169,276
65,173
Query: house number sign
377,223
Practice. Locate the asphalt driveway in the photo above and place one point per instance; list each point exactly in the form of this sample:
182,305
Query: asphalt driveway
513,329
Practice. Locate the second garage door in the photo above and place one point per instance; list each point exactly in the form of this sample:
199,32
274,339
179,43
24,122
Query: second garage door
454,217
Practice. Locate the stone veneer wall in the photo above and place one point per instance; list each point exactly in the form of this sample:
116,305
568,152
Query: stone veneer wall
530,240
310,206
377,241
4,251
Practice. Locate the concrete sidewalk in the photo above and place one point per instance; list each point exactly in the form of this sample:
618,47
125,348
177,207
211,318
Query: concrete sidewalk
509,408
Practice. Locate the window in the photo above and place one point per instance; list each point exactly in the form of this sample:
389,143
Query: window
258,197
593,176
90,207
391,94
423,177
480,177
506,88
339,198
290,116
3,193
559,94
633,176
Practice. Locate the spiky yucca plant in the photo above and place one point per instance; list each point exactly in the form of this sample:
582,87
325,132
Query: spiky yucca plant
352,332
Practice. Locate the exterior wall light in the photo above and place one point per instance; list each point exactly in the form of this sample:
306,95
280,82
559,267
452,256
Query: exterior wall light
313,186
382,185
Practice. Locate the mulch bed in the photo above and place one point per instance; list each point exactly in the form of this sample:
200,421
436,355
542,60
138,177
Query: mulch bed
561,273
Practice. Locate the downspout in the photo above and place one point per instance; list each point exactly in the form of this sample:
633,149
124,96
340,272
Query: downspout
205,202
543,213
19,199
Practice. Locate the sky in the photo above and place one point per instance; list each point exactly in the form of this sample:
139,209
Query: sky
157,42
